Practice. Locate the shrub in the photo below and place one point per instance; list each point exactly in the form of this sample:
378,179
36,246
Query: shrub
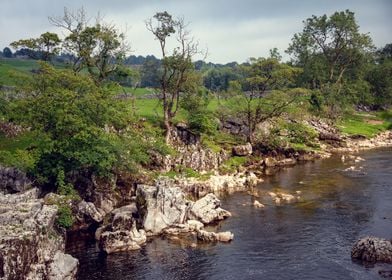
65,218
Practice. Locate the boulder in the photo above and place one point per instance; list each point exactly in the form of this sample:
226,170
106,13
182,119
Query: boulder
242,150
161,207
63,267
372,249
270,162
89,210
122,234
122,240
208,210
13,180
208,236
257,204
280,197
29,242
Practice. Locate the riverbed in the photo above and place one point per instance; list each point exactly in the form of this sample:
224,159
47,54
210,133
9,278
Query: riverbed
308,239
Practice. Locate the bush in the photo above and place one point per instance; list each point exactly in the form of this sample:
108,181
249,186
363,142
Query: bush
65,218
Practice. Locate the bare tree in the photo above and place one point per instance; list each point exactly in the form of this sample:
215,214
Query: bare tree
177,66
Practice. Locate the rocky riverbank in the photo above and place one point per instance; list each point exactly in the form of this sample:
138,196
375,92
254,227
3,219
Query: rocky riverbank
177,208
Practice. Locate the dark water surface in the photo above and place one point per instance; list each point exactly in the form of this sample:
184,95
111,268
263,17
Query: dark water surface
310,239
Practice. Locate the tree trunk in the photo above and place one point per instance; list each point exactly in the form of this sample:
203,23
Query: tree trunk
168,127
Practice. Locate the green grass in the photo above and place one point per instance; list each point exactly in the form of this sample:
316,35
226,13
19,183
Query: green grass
366,124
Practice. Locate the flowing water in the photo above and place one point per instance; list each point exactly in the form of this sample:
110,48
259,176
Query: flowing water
310,239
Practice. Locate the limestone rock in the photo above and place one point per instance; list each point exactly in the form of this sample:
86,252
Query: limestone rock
122,234
372,249
63,267
257,204
242,150
280,197
270,162
161,206
208,210
29,243
208,236
88,209
122,240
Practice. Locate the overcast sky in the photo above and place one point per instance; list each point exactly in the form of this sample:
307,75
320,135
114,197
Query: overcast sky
231,30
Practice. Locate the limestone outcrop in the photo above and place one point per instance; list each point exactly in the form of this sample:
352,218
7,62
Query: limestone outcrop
372,249
161,206
243,150
122,234
208,210
30,246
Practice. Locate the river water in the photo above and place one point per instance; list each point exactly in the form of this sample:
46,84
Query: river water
310,239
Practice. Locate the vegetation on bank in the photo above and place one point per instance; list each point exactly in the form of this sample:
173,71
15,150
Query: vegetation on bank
83,114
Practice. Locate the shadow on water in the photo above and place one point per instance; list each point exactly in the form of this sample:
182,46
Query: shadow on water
309,239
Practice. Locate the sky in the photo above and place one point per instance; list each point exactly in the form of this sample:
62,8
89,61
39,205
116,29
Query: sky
230,30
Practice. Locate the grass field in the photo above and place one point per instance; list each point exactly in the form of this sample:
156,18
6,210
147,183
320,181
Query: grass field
11,66
366,124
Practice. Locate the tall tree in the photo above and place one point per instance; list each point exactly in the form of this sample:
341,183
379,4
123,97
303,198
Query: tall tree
176,67
328,47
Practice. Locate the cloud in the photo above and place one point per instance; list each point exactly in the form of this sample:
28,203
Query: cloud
232,30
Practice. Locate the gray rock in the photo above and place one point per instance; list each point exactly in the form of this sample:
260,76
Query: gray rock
161,207
63,267
242,150
88,209
208,210
122,240
29,241
208,236
372,249
122,234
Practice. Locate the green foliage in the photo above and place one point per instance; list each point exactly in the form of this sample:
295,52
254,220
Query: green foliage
47,45
78,124
380,78
65,217
299,133
232,164
334,56
200,119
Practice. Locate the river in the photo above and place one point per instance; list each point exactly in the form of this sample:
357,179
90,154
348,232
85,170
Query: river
310,239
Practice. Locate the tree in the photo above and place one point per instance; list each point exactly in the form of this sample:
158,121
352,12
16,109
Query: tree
100,47
47,45
263,92
79,127
7,52
328,48
379,76
176,67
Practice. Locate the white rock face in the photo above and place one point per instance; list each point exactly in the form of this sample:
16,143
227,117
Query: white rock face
63,267
161,207
208,210
29,244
